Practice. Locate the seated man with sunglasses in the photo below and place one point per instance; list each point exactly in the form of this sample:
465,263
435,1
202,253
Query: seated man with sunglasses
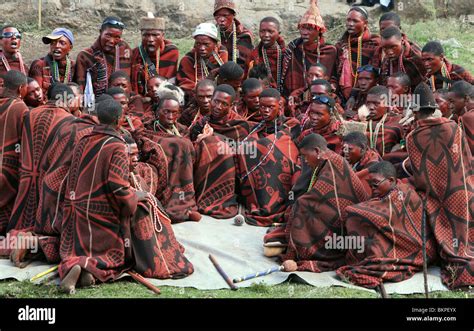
389,225
10,57
368,76
108,54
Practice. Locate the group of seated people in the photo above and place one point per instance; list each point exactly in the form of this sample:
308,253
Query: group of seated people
357,157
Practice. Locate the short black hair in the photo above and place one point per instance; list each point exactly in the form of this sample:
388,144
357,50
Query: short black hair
251,84
391,31
109,111
59,91
383,168
259,71
356,138
227,89
30,80
433,47
230,71
13,79
313,140
442,91
322,82
360,10
380,91
114,91
270,19
391,16
119,74
206,83
403,78
270,93
462,89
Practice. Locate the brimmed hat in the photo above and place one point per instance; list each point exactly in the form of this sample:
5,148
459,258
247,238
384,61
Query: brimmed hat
229,4
207,29
58,33
313,17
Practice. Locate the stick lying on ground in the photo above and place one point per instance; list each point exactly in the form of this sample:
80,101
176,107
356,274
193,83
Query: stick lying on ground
259,274
222,273
139,278
44,273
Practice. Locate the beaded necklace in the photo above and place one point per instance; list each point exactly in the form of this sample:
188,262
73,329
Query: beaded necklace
279,61
359,57
173,131
155,210
305,66
269,150
148,72
401,66
314,178
7,65
55,71
373,135
444,73
204,69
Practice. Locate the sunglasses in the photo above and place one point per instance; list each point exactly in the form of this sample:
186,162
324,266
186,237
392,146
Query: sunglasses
376,185
368,68
7,35
114,23
323,99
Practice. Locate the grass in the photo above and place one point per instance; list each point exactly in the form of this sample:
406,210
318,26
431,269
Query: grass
129,289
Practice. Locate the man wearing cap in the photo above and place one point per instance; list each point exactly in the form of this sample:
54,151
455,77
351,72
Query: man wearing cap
309,49
236,38
442,172
204,60
156,56
108,54
57,66
10,57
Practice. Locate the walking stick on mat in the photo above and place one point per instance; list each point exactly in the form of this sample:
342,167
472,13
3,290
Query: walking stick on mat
140,279
222,273
259,274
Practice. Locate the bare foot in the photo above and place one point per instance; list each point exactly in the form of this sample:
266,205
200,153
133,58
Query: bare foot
17,256
86,279
68,284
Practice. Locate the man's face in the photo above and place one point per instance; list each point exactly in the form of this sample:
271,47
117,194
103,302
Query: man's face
109,38
34,95
151,40
366,81
123,100
377,106
252,99
431,62
134,156
75,104
397,89
11,40
314,73
380,185
152,87
392,47
221,104
310,156
352,153
319,116
224,18
355,23
123,83
169,113
204,46
319,90
268,33
456,103
308,33
269,108
385,24
204,97
60,48
443,104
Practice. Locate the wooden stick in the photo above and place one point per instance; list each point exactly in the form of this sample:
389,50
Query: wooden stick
383,292
222,273
259,274
140,279
44,273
